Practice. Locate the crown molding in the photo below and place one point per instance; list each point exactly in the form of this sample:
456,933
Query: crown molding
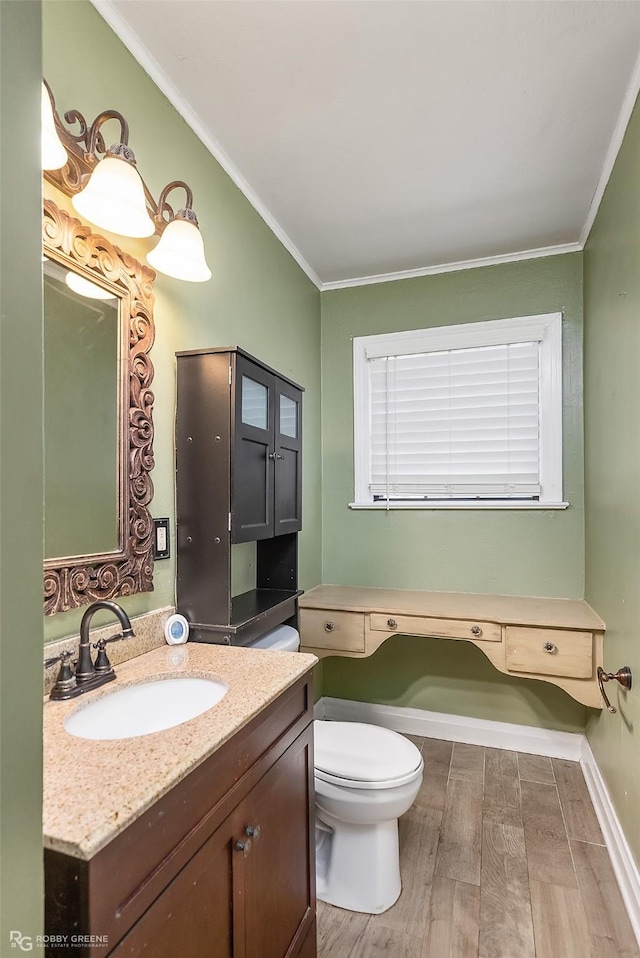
138,50
614,148
454,267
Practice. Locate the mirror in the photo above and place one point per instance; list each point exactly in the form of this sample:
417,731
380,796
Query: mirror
98,417
81,387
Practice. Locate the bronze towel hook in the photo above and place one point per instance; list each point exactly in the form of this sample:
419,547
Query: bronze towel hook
623,676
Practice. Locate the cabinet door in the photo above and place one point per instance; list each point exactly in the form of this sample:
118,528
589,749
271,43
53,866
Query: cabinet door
252,468
276,879
193,917
288,459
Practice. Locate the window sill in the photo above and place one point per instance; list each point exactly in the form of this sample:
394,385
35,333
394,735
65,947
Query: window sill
535,506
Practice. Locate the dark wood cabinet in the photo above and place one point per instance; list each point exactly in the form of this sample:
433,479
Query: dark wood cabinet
266,476
238,479
221,866
194,915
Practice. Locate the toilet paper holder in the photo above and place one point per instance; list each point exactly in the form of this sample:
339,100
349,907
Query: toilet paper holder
623,676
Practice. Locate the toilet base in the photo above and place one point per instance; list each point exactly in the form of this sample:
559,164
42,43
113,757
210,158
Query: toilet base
358,866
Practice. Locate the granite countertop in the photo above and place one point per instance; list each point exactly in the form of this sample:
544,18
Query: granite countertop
94,789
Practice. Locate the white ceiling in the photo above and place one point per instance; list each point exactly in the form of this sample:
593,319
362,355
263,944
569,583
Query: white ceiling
378,137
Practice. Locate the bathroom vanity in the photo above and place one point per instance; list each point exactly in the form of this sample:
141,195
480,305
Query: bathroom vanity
197,840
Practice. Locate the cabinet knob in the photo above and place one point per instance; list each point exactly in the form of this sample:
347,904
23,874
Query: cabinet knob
392,623
275,456
252,831
476,630
244,847
329,626
550,647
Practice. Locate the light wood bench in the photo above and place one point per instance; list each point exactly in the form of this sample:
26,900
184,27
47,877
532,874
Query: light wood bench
554,640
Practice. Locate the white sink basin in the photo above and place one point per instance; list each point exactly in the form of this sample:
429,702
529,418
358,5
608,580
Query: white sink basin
142,709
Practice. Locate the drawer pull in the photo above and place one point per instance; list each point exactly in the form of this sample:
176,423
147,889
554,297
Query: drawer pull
476,630
550,647
392,623
252,831
329,626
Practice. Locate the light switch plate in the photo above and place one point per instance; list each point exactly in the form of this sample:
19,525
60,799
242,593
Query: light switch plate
161,539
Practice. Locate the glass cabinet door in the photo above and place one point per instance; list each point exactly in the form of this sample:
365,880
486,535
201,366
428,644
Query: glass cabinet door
288,417
255,403
253,465
288,459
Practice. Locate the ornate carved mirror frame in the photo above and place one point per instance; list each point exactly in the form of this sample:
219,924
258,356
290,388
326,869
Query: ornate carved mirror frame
73,581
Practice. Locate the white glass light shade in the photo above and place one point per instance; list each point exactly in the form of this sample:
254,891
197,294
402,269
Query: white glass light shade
85,287
54,155
180,253
114,199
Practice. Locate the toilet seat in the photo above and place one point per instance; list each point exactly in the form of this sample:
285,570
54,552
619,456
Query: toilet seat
355,755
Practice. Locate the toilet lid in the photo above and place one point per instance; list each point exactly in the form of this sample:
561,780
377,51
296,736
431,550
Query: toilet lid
363,753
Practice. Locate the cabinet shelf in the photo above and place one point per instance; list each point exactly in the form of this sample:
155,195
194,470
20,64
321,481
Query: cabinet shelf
252,614
256,603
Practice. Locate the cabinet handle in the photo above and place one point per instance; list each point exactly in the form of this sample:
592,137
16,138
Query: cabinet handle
252,831
329,626
550,647
274,456
476,630
244,847
392,623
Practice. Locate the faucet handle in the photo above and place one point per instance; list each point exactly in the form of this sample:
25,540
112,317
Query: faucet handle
66,679
102,663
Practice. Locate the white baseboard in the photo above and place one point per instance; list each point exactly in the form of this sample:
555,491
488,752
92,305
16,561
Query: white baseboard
520,738
622,860
456,728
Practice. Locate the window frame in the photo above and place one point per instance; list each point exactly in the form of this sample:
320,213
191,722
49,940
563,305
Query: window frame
545,328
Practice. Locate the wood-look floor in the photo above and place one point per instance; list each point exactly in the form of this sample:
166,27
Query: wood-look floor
501,857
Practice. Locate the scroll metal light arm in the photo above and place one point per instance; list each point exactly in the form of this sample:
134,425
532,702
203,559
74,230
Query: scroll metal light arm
623,676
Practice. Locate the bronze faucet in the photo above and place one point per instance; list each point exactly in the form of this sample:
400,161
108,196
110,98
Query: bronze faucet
89,674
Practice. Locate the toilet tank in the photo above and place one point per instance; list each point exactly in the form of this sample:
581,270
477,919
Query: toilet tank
284,638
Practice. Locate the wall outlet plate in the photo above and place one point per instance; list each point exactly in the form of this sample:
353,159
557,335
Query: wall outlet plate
161,539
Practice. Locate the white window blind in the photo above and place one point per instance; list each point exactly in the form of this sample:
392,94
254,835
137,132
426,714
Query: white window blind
458,423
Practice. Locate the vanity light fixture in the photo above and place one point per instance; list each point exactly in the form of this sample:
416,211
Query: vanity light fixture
107,189
114,197
180,252
54,155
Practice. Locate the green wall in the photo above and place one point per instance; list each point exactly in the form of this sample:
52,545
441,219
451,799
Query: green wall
612,466
258,297
21,464
513,552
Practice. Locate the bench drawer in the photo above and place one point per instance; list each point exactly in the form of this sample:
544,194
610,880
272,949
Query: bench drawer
549,651
438,628
328,629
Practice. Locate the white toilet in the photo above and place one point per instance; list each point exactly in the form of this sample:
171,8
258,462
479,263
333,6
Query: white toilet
365,778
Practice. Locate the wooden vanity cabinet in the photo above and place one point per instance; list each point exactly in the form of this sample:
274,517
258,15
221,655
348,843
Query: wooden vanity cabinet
221,866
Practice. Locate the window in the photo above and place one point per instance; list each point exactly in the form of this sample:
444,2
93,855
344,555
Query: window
466,416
